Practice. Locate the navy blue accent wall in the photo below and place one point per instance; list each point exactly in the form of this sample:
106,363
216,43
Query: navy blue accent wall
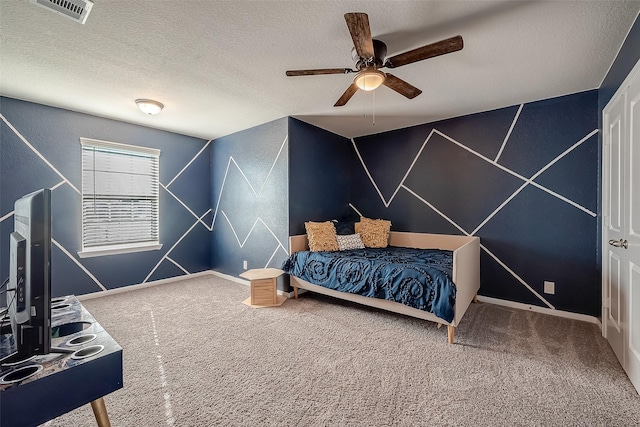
319,172
458,176
250,198
55,135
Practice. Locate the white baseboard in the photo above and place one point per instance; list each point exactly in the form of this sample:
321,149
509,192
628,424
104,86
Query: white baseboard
231,278
496,301
544,310
142,285
170,280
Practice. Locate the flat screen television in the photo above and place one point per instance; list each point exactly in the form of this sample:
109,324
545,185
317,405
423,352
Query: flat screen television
29,288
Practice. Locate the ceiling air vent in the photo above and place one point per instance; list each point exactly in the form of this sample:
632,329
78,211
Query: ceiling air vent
78,10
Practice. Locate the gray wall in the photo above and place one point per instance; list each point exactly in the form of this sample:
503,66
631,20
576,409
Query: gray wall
55,161
250,198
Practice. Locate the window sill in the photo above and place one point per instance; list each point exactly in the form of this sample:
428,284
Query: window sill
119,249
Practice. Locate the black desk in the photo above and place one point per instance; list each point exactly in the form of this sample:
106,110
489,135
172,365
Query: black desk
65,381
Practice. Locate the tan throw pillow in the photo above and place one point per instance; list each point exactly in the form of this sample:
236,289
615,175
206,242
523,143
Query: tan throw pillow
375,232
321,235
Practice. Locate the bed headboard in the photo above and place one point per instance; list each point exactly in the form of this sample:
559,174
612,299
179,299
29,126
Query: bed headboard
400,238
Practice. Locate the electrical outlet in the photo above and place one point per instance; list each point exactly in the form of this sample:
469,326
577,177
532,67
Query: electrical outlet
244,264
549,287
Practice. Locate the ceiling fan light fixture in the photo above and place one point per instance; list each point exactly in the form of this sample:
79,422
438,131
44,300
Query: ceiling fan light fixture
149,106
369,79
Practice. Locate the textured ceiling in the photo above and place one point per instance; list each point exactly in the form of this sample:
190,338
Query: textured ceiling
219,66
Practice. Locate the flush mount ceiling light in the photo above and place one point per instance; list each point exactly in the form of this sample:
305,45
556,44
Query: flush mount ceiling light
149,106
369,79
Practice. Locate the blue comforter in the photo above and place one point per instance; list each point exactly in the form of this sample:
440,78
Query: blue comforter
418,278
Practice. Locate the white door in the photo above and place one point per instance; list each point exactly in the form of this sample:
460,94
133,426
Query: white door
621,225
632,194
614,277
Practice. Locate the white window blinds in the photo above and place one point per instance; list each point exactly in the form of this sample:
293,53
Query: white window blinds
119,195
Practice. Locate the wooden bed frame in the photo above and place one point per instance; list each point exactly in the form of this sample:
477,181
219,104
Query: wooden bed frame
466,274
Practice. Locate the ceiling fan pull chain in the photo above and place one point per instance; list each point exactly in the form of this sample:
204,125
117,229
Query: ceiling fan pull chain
374,107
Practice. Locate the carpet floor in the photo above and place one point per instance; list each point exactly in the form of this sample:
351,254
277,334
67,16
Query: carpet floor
195,355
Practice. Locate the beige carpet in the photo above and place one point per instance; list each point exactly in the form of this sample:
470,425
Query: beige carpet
195,355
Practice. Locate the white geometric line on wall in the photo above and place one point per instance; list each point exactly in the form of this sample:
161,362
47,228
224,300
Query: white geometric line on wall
58,185
53,168
530,181
492,162
66,252
499,208
513,124
272,256
452,222
9,215
517,175
264,183
82,267
198,221
178,265
187,207
415,159
241,244
256,194
518,278
355,209
189,164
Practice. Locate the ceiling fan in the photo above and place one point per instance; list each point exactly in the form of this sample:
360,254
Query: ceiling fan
369,55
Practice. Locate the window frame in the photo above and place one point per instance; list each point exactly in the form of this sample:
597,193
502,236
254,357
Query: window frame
126,247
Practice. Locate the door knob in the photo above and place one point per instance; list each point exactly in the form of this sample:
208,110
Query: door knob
619,243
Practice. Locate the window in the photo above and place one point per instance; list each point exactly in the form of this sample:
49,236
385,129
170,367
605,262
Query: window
120,209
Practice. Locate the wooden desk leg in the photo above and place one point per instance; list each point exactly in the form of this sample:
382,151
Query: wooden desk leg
100,412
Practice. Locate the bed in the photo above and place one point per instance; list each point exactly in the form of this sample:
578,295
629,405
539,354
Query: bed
464,273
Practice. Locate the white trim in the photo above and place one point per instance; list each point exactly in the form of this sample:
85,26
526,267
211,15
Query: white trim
245,282
626,83
489,300
119,249
230,278
543,310
119,146
141,286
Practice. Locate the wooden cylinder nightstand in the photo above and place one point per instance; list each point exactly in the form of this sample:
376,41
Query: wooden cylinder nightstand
264,291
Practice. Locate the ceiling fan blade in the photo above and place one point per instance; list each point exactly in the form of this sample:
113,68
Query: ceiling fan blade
346,96
358,24
429,51
319,71
400,86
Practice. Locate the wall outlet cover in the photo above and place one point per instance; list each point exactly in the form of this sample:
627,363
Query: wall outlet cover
549,287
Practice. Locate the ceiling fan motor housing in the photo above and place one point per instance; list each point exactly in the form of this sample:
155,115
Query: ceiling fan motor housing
379,52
